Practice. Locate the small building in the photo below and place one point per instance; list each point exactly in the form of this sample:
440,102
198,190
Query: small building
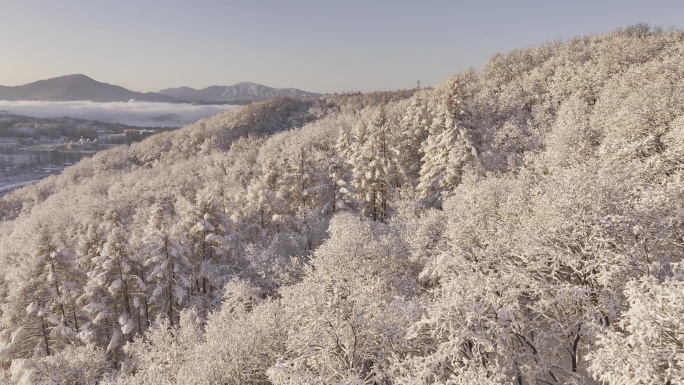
111,138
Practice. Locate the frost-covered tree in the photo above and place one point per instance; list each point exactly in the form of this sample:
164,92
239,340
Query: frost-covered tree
204,239
372,167
113,292
414,131
166,265
448,148
72,365
39,313
647,347
163,355
357,292
528,229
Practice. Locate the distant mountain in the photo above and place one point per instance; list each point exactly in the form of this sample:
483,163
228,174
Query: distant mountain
244,91
78,87
81,87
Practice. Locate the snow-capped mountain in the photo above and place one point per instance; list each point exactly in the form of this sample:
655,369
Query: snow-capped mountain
240,91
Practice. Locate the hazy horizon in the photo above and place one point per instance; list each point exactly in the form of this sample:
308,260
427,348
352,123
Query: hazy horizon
137,113
314,46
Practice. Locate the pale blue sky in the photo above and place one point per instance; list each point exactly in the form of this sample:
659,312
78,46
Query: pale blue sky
320,46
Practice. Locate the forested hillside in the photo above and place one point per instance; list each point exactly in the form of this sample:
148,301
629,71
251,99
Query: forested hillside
519,224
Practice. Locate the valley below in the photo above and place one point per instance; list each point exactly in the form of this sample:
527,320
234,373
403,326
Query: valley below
40,138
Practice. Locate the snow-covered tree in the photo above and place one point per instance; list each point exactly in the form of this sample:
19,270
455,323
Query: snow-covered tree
647,347
448,148
111,296
166,265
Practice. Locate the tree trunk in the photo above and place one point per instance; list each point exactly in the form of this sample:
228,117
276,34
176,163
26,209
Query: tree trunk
45,335
573,352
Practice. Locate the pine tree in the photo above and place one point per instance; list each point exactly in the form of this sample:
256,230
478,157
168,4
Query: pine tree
372,168
112,288
414,130
167,265
448,148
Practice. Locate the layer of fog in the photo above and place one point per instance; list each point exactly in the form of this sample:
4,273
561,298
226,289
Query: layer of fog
133,113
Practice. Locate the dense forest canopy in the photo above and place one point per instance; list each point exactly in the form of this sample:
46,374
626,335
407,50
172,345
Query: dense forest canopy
520,224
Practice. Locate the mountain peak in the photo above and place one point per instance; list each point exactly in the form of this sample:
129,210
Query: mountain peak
247,84
72,78
76,76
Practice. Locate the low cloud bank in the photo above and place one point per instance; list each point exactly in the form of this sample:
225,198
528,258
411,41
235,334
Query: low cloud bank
133,113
